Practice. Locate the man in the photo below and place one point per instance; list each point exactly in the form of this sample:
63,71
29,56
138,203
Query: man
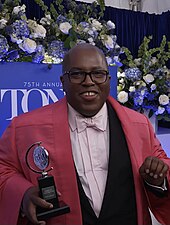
109,173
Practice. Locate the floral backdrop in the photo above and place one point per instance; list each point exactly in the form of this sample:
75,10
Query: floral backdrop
143,82
65,24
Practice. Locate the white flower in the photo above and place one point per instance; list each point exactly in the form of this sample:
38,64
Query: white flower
65,27
132,88
51,60
163,99
18,9
122,96
160,110
142,92
138,61
39,32
109,60
91,41
79,41
153,87
46,20
140,83
149,78
121,81
107,41
96,24
3,23
28,45
119,74
32,24
110,25
154,60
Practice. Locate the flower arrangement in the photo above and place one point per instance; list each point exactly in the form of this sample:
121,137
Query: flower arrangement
144,82
64,25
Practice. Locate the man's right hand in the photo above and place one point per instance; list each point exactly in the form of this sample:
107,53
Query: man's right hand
30,200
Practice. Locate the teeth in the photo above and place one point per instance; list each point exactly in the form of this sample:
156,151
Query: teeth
89,93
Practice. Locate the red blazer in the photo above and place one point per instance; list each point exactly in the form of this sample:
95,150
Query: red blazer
49,124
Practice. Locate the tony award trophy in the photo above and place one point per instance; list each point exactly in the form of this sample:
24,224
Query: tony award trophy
47,188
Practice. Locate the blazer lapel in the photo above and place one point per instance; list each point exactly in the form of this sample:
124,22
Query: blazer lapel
135,152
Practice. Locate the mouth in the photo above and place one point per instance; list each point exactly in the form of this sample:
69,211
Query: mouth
89,95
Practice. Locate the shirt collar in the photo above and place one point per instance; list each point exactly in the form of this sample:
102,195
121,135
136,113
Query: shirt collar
72,114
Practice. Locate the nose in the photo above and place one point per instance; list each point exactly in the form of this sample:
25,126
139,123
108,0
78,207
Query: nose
88,80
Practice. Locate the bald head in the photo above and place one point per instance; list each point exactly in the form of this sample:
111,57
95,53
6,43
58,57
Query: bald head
76,51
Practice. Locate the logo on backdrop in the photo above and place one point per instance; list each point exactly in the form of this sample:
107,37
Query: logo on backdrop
22,100
27,86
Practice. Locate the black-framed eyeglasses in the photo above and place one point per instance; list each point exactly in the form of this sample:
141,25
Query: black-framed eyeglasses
78,77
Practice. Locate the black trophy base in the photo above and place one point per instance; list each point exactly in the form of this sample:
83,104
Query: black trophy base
45,214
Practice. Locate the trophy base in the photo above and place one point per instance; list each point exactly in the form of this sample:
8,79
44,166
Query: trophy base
45,214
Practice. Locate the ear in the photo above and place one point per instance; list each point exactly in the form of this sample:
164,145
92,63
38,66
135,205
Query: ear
62,81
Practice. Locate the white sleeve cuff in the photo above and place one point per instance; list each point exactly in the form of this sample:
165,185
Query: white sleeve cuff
162,188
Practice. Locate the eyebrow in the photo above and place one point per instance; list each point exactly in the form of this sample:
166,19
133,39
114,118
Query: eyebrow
94,68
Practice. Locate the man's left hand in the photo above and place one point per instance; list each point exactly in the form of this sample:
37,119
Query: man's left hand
154,170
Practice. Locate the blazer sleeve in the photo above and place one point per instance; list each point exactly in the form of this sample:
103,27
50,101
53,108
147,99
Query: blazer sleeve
12,182
159,204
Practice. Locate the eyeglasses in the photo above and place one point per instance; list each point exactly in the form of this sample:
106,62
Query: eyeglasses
78,77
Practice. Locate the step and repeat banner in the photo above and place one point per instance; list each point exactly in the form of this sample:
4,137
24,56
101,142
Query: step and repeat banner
27,86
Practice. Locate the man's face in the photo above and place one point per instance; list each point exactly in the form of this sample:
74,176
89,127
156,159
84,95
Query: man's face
87,97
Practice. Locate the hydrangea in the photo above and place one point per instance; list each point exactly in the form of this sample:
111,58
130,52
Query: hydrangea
19,31
133,74
56,32
3,46
146,80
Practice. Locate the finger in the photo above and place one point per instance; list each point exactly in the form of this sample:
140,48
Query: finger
42,203
153,166
31,214
147,164
164,171
158,170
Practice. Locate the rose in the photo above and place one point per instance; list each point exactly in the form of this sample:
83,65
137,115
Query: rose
149,78
138,61
122,96
65,27
163,99
153,87
132,88
18,9
160,110
110,25
119,74
3,23
107,41
96,25
28,45
39,32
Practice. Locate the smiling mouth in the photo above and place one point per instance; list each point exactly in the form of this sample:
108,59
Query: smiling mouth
89,93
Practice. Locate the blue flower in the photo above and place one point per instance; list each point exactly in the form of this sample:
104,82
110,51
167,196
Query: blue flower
39,55
3,46
133,74
20,30
56,49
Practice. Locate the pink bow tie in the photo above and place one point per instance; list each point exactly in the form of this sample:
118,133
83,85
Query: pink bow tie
83,123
